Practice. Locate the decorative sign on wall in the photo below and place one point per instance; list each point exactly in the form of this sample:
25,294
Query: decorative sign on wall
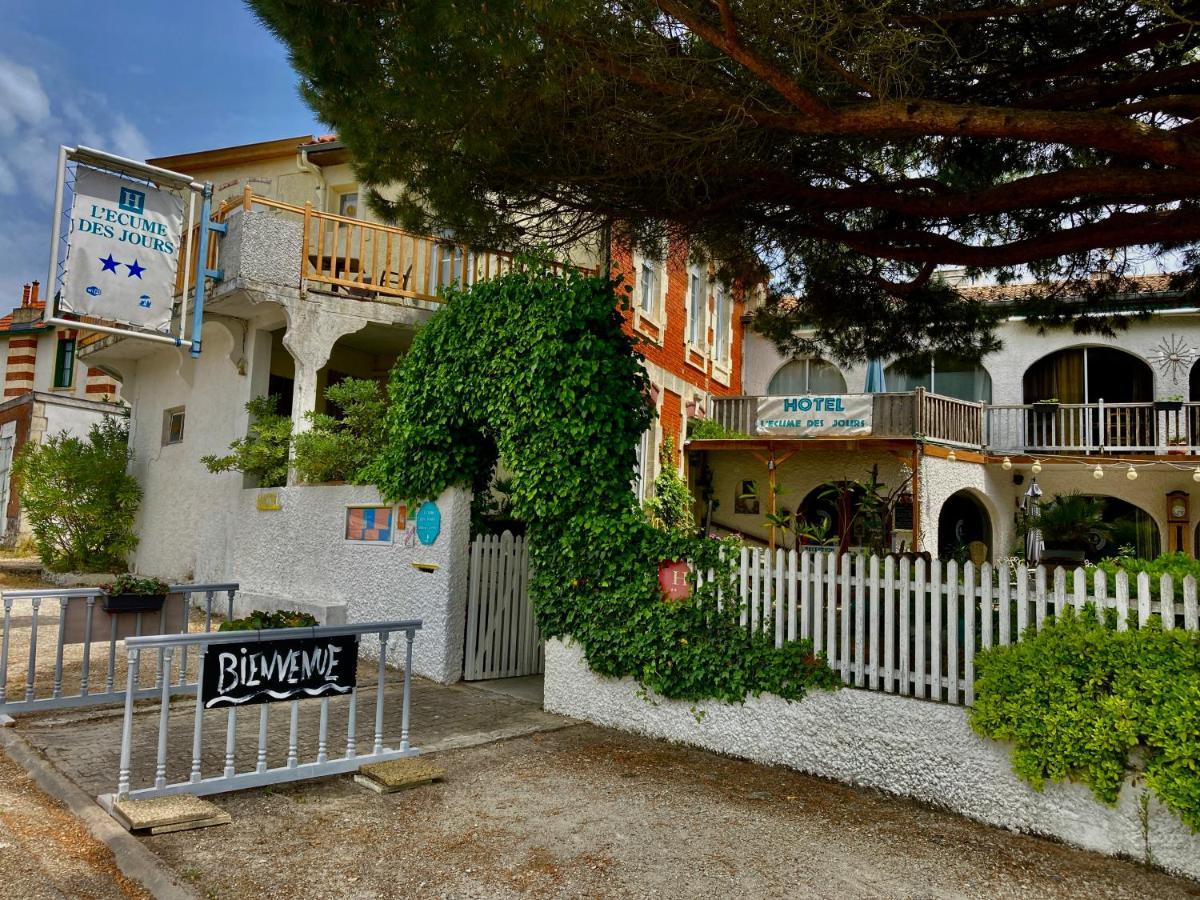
816,415
369,524
673,579
124,250
429,522
268,501
269,671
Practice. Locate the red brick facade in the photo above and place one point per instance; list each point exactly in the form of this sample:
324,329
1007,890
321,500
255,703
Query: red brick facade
683,374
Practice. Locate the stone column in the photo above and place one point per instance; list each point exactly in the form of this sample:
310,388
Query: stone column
310,336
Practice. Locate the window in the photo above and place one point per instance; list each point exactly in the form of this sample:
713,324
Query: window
942,374
172,432
697,307
807,376
348,205
648,287
64,363
642,480
721,326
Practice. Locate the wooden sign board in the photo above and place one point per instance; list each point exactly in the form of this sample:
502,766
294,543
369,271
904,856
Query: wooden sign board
261,670
673,579
117,626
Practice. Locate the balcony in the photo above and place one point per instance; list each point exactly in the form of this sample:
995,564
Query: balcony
276,248
1072,428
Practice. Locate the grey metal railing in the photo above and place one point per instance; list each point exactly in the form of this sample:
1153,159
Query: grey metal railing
79,621
258,774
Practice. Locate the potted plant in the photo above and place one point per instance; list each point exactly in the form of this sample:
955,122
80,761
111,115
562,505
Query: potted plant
1177,445
1071,526
1048,405
133,593
1174,403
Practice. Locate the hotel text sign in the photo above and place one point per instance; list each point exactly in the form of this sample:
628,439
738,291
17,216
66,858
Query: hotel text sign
124,250
815,415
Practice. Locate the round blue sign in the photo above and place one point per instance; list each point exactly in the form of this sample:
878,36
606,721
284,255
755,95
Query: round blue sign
429,522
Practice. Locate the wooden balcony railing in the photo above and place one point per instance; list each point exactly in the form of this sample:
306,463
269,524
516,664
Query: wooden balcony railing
372,261
1158,428
893,415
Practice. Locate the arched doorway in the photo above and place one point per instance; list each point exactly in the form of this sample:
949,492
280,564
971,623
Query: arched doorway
1132,531
826,511
964,529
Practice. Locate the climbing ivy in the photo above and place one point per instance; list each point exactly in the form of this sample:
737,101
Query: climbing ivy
535,368
1079,697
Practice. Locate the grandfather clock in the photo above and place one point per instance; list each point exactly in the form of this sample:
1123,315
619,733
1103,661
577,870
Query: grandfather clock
1178,518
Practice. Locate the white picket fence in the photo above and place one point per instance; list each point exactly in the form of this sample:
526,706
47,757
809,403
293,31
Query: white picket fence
913,628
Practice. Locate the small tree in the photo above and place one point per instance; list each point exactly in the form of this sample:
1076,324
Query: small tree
79,498
670,507
341,449
263,452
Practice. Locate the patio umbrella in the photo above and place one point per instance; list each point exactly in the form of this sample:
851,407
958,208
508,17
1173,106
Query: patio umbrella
876,382
1034,545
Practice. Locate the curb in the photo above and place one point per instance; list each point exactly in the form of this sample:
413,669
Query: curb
131,857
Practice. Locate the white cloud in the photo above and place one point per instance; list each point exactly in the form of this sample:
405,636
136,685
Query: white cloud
22,100
32,126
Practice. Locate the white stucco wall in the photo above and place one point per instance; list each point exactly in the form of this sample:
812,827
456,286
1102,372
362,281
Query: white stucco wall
1022,346
183,504
297,557
903,746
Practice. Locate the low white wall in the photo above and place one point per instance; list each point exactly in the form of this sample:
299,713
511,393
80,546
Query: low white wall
296,557
914,748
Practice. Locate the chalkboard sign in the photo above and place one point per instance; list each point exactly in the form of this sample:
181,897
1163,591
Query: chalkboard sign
267,671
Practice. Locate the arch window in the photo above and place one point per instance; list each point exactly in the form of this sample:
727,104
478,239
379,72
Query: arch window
807,376
942,374
1088,375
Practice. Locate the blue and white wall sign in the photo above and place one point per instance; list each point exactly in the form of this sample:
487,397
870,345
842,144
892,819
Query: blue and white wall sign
429,522
816,415
124,250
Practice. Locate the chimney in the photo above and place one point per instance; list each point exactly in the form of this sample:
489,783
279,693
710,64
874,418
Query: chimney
33,296
25,295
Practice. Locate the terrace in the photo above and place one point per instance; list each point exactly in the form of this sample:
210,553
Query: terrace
1161,428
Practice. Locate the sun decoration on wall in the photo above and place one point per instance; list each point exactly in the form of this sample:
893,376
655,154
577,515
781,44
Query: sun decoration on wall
1173,356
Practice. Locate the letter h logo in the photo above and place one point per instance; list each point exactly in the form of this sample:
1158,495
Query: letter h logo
791,405
132,201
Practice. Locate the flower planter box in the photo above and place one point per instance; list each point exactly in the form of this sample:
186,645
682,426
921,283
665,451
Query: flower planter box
122,603
1168,405
1042,406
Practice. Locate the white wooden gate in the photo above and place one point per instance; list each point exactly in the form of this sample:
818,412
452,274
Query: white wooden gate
503,640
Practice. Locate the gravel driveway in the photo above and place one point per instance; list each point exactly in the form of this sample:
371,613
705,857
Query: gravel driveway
587,812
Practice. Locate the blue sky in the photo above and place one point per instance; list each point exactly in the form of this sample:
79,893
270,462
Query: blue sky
135,77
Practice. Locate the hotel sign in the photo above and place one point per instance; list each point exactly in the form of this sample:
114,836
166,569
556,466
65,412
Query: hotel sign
123,250
815,415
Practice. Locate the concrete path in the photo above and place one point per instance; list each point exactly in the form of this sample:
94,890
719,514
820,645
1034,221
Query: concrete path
586,812
85,744
536,805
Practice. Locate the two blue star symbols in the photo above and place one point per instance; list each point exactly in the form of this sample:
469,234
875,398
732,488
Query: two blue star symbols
108,264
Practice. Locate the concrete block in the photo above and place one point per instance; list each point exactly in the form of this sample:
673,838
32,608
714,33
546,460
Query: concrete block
399,774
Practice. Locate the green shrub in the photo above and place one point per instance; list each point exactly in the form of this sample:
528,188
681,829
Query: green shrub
670,505
710,430
1178,565
79,499
1077,698
263,452
341,449
536,369
136,584
259,621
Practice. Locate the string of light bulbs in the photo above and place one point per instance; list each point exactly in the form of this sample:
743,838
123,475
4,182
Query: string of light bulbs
1131,469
